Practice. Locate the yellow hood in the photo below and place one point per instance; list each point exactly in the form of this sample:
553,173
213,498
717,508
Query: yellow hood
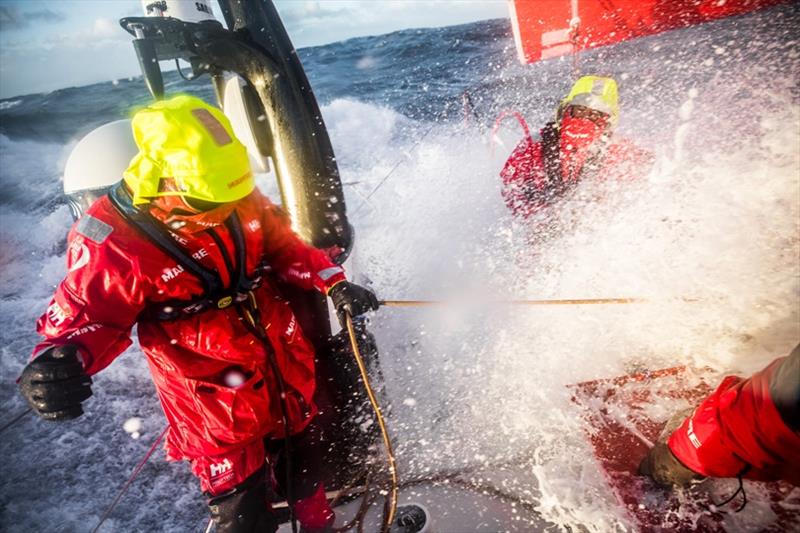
187,148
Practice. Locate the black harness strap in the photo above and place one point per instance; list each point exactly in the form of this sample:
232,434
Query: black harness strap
215,293
551,154
158,235
243,283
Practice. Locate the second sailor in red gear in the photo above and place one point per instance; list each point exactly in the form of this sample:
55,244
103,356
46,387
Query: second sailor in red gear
577,145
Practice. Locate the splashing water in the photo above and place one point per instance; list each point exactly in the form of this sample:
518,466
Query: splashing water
473,384
717,220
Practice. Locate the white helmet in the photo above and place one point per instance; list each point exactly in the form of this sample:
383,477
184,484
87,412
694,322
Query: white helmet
99,159
97,162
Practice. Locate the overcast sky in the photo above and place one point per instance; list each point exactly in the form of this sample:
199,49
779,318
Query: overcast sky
50,44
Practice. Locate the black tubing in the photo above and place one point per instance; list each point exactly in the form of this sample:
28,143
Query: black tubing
263,54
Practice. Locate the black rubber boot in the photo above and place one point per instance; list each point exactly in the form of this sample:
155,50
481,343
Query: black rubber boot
661,464
245,508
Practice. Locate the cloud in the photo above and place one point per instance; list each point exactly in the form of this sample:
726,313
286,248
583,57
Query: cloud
105,28
103,32
313,11
315,22
12,18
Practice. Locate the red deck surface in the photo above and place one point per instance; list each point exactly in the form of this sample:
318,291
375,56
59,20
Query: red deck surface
625,414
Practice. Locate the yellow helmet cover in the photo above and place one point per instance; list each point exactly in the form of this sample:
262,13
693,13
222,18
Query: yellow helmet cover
187,148
595,92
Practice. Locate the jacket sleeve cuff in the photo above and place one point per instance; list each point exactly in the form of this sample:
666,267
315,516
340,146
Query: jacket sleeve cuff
328,277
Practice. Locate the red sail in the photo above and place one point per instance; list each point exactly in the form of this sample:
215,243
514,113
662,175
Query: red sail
550,28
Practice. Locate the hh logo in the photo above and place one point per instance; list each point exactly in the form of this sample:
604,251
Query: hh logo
56,314
217,469
254,225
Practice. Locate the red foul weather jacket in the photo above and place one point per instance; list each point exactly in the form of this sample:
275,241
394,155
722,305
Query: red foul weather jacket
747,427
116,275
538,172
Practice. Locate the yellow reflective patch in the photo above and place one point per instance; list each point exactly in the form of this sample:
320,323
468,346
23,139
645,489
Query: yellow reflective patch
224,302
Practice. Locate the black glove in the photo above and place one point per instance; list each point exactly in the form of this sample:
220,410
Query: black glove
353,299
55,384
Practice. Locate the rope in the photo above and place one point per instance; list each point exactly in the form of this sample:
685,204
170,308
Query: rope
456,477
469,108
574,39
128,483
390,505
398,163
15,419
587,301
358,519
498,121
740,489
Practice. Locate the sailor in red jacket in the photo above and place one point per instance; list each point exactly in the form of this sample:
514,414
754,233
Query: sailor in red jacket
579,144
747,428
187,248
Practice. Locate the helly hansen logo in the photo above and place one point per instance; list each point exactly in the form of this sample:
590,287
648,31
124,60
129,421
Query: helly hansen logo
89,328
78,256
239,180
692,436
254,225
217,469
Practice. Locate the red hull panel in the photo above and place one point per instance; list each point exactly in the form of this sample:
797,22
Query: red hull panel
625,414
550,28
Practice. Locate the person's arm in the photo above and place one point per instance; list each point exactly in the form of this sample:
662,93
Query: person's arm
523,176
292,259
88,321
99,300
310,268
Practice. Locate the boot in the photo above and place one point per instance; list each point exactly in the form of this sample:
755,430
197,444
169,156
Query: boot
314,513
244,509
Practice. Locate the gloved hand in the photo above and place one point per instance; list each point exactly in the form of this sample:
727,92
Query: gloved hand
55,384
353,299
